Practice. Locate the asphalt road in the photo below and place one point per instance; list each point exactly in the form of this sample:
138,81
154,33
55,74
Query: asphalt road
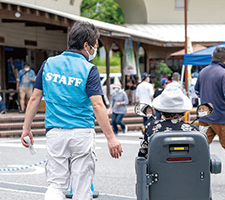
114,179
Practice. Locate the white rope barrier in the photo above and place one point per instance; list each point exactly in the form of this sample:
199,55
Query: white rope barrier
22,168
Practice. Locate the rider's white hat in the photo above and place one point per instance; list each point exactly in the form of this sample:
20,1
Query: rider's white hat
172,100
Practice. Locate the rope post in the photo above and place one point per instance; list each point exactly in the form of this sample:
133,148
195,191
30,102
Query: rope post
69,195
95,194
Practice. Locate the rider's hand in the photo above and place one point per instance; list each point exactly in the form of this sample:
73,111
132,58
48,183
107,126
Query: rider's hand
24,134
115,147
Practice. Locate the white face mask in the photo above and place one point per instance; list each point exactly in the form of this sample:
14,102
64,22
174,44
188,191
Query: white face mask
91,57
26,69
149,115
116,90
202,114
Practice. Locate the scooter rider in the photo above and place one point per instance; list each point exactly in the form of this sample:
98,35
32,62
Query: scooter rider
172,103
204,109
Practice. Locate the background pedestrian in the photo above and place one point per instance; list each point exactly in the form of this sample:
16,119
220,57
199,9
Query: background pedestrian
128,86
210,87
119,107
144,92
25,82
135,83
176,82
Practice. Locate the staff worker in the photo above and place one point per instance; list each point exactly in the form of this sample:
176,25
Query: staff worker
72,91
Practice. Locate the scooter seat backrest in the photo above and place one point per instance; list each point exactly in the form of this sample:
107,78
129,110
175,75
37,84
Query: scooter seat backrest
181,162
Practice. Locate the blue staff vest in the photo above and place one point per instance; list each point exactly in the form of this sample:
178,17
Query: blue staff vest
64,86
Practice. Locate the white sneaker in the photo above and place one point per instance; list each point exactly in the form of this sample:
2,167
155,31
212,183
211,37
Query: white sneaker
126,129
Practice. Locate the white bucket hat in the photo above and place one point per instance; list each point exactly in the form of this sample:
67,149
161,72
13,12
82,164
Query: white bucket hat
172,100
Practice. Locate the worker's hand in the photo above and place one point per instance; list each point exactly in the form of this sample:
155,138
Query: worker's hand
115,147
109,111
24,134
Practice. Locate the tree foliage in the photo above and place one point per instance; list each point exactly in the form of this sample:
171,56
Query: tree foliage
162,71
102,10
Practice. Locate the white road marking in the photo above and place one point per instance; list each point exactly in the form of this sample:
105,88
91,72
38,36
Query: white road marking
39,193
121,141
9,140
23,184
36,146
19,145
98,135
128,134
120,196
98,139
41,146
22,191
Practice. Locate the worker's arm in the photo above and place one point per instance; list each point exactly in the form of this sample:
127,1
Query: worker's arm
103,120
31,111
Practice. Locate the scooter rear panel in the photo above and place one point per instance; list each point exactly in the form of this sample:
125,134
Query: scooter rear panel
180,161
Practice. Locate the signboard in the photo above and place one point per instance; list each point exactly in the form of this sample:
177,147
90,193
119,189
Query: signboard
129,58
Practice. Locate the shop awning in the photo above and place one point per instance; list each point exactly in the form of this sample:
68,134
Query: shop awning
202,57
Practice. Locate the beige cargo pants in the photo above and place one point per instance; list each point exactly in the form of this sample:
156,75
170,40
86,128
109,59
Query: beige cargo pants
70,157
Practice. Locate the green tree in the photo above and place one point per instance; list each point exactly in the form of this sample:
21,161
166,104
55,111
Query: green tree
102,10
161,71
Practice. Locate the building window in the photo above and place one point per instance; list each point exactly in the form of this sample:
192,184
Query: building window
179,4
72,2
2,39
30,43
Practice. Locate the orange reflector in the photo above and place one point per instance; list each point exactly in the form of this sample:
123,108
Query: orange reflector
179,159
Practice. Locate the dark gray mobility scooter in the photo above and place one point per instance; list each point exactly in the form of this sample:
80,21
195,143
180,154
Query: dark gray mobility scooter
177,168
